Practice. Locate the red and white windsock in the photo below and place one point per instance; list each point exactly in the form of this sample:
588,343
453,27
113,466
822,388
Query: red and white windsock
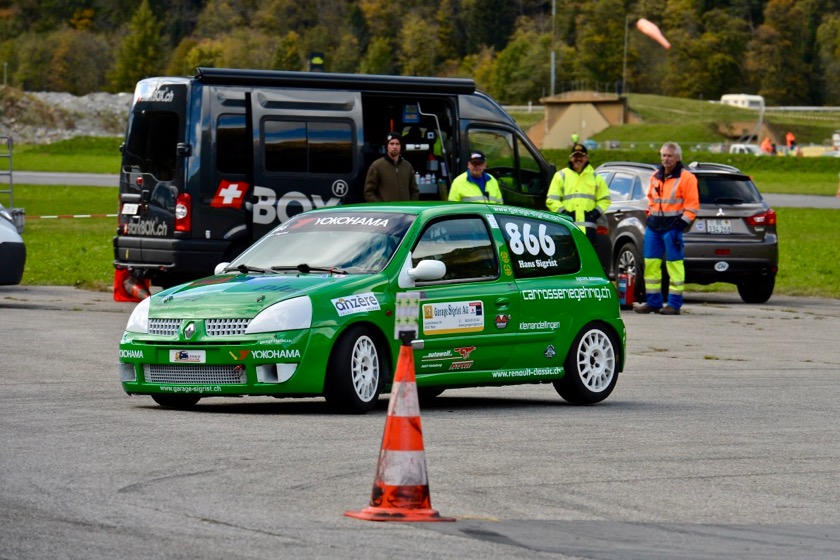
652,30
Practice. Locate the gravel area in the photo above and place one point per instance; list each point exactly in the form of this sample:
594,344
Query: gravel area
47,117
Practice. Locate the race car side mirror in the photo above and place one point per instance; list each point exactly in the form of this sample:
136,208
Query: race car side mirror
427,270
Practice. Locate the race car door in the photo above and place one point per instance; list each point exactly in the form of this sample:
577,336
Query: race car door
464,316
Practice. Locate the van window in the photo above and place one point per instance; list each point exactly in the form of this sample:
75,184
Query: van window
508,159
308,147
151,140
233,147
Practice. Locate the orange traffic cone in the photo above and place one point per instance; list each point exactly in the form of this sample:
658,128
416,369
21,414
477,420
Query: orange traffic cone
129,288
401,488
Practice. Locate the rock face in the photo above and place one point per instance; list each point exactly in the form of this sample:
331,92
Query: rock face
47,117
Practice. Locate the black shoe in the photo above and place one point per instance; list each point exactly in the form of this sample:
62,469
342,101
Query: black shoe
669,311
645,308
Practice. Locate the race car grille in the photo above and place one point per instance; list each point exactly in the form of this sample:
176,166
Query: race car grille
164,327
226,327
199,374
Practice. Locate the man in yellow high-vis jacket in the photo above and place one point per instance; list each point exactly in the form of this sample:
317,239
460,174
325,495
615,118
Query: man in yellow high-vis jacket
579,193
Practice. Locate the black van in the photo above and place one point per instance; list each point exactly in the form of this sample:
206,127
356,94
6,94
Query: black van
212,162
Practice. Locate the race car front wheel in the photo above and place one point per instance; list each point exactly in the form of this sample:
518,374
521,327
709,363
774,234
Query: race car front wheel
356,371
591,367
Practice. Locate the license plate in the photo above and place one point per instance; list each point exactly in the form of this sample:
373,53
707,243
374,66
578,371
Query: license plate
130,208
719,227
187,356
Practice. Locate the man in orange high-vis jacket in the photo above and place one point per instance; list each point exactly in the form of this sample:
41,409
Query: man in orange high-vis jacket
673,204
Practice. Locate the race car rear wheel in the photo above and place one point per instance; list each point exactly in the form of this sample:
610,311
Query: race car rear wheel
591,367
176,401
356,371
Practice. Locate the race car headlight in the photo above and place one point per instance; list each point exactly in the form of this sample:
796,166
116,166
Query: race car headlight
289,315
139,320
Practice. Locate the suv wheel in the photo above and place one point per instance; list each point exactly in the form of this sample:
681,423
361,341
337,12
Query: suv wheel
757,289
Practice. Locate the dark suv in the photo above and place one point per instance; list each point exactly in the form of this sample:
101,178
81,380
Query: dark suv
732,240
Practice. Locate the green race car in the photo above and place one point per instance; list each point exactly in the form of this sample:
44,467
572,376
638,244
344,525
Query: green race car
506,296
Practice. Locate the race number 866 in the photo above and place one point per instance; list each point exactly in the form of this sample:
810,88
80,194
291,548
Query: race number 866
525,240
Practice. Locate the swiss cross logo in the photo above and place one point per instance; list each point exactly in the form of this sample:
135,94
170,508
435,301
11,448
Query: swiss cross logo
230,195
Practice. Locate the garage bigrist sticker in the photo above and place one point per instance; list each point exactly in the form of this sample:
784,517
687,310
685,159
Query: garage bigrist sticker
453,317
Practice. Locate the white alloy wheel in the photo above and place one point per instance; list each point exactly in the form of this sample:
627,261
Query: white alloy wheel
591,366
364,369
596,361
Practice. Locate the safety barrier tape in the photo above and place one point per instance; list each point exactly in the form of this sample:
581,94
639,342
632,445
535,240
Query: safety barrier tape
71,216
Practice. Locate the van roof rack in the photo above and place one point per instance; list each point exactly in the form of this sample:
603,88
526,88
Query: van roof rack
326,80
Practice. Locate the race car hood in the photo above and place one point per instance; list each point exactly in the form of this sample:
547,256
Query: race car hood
240,295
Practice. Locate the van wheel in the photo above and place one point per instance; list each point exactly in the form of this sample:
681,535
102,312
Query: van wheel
176,401
356,372
591,367
628,259
757,289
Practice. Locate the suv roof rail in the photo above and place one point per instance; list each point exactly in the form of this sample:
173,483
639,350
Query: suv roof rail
713,166
628,164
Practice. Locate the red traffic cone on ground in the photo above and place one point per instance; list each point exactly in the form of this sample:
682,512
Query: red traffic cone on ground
129,288
401,488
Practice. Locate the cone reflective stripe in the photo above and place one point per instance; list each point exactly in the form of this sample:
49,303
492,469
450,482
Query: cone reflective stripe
401,488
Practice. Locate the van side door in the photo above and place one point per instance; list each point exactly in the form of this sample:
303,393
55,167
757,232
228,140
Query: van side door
513,162
307,155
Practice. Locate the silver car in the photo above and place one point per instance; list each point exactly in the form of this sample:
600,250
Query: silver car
12,250
733,239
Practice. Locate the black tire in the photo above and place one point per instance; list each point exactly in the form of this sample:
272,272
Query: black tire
629,259
428,395
356,372
591,367
757,289
181,402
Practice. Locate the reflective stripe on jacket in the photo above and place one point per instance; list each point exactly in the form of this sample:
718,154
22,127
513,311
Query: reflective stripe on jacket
673,197
578,193
464,190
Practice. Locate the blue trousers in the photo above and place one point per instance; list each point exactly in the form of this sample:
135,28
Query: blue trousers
670,245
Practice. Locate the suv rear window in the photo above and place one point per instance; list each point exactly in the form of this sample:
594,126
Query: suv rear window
726,190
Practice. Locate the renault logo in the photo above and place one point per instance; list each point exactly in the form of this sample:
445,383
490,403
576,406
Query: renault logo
189,330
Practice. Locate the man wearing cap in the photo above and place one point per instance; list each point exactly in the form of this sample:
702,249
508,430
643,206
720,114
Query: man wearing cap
579,193
391,178
475,185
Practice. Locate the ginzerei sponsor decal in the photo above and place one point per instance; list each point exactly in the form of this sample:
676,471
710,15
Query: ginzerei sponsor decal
453,317
359,303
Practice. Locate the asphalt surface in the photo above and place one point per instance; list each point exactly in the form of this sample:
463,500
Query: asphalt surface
720,441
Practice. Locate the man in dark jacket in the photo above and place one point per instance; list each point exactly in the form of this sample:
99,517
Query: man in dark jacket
391,178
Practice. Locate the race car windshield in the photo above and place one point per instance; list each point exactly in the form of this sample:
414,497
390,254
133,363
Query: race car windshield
349,242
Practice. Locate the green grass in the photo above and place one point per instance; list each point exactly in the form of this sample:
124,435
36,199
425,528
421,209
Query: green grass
77,155
78,252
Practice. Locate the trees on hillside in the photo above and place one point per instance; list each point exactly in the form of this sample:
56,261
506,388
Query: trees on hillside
786,50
